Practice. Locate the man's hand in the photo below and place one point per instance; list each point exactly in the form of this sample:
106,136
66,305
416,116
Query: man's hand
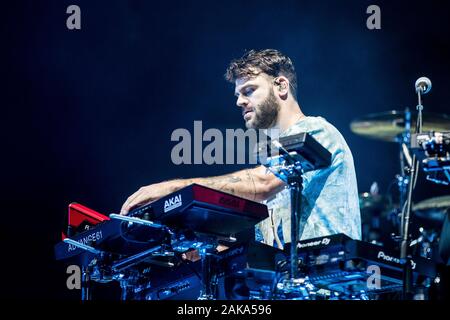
254,184
148,194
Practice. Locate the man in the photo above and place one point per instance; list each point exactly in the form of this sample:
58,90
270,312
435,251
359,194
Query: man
266,90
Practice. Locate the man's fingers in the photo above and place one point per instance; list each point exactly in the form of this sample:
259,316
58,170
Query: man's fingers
126,206
141,198
136,203
124,209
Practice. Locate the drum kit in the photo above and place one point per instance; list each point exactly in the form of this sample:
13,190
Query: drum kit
424,142
424,145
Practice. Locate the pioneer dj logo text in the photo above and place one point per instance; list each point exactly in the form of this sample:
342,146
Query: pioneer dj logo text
324,242
385,257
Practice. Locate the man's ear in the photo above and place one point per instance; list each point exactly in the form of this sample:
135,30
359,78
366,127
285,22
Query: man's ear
282,86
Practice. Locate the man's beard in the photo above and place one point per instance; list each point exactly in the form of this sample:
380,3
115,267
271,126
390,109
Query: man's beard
266,114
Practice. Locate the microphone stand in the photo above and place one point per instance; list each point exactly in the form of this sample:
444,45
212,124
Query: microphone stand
406,213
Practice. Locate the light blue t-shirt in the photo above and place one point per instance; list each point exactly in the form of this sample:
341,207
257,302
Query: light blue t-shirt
330,202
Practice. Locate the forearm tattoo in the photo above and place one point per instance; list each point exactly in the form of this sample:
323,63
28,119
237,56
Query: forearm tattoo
253,183
237,184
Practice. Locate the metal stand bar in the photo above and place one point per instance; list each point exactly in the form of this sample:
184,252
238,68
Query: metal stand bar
296,194
207,292
85,284
406,214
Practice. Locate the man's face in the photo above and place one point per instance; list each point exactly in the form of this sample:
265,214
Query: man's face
258,102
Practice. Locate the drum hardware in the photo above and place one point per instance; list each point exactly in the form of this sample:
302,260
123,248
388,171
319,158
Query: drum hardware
432,213
395,126
433,150
390,126
425,242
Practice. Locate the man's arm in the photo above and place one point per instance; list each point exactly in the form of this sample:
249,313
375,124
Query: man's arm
254,184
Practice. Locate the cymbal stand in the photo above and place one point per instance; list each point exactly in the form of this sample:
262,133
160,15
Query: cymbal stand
405,163
404,140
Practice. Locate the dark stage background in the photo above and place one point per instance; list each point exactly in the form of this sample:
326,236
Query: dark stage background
88,114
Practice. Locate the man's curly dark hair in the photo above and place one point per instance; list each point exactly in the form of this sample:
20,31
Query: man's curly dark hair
269,61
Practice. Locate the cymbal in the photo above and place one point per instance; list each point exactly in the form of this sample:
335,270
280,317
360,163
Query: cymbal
433,209
388,126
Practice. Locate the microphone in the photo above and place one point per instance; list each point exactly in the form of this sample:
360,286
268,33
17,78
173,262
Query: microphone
423,84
